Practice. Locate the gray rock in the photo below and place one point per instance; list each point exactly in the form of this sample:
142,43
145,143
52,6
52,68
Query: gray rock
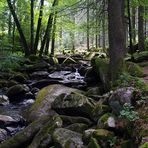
120,97
45,97
73,104
4,100
39,74
66,138
3,135
15,91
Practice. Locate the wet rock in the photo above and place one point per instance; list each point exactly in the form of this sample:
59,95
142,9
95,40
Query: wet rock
4,100
73,104
15,91
93,91
65,138
6,120
43,83
39,75
45,97
3,135
6,83
120,97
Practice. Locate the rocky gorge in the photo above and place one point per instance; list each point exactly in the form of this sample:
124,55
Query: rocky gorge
65,102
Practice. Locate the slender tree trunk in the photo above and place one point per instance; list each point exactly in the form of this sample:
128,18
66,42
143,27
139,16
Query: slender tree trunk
140,28
134,23
130,30
48,30
53,35
32,26
38,26
88,19
10,25
116,38
23,39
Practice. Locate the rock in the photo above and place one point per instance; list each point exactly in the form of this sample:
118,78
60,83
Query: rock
4,100
134,69
3,135
120,97
6,83
17,90
77,127
37,66
45,97
102,134
93,143
6,120
100,66
39,75
19,78
73,104
93,91
43,83
64,137
106,121
67,120
99,110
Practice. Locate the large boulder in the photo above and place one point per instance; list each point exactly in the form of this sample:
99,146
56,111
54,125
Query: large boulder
73,104
66,138
120,97
44,99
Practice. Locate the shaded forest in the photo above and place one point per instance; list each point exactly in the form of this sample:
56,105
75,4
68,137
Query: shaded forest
73,74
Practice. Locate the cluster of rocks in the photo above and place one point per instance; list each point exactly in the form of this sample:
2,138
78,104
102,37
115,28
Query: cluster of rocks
66,117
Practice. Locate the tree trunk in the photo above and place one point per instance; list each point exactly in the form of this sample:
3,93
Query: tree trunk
48,30
88,46
130,30
140,28
134,24
116,38
53,35
23,39
32,27
38,26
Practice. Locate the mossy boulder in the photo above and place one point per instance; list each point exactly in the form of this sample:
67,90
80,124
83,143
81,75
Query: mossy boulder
145,145
64,138
93,143
16,91
134,69
102,134
68,120
4,100
44,99
101,68
106,121
73,104
77,127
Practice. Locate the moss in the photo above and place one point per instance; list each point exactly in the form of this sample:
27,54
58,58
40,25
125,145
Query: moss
134,69
102,134
40,96
145,145
126,80
93,143
105,117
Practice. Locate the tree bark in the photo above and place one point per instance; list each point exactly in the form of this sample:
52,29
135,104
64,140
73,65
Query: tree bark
140,28
38,26
23,39
134,24
88,45
32,26
116,38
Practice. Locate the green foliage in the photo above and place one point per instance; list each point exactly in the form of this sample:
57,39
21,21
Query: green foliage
145,145
126,80
128,112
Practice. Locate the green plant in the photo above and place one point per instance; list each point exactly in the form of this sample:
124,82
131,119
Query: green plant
128,112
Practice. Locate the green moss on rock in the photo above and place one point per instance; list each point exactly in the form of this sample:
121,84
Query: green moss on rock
93,144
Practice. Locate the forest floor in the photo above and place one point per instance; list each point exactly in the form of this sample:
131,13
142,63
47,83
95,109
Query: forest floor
145,70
